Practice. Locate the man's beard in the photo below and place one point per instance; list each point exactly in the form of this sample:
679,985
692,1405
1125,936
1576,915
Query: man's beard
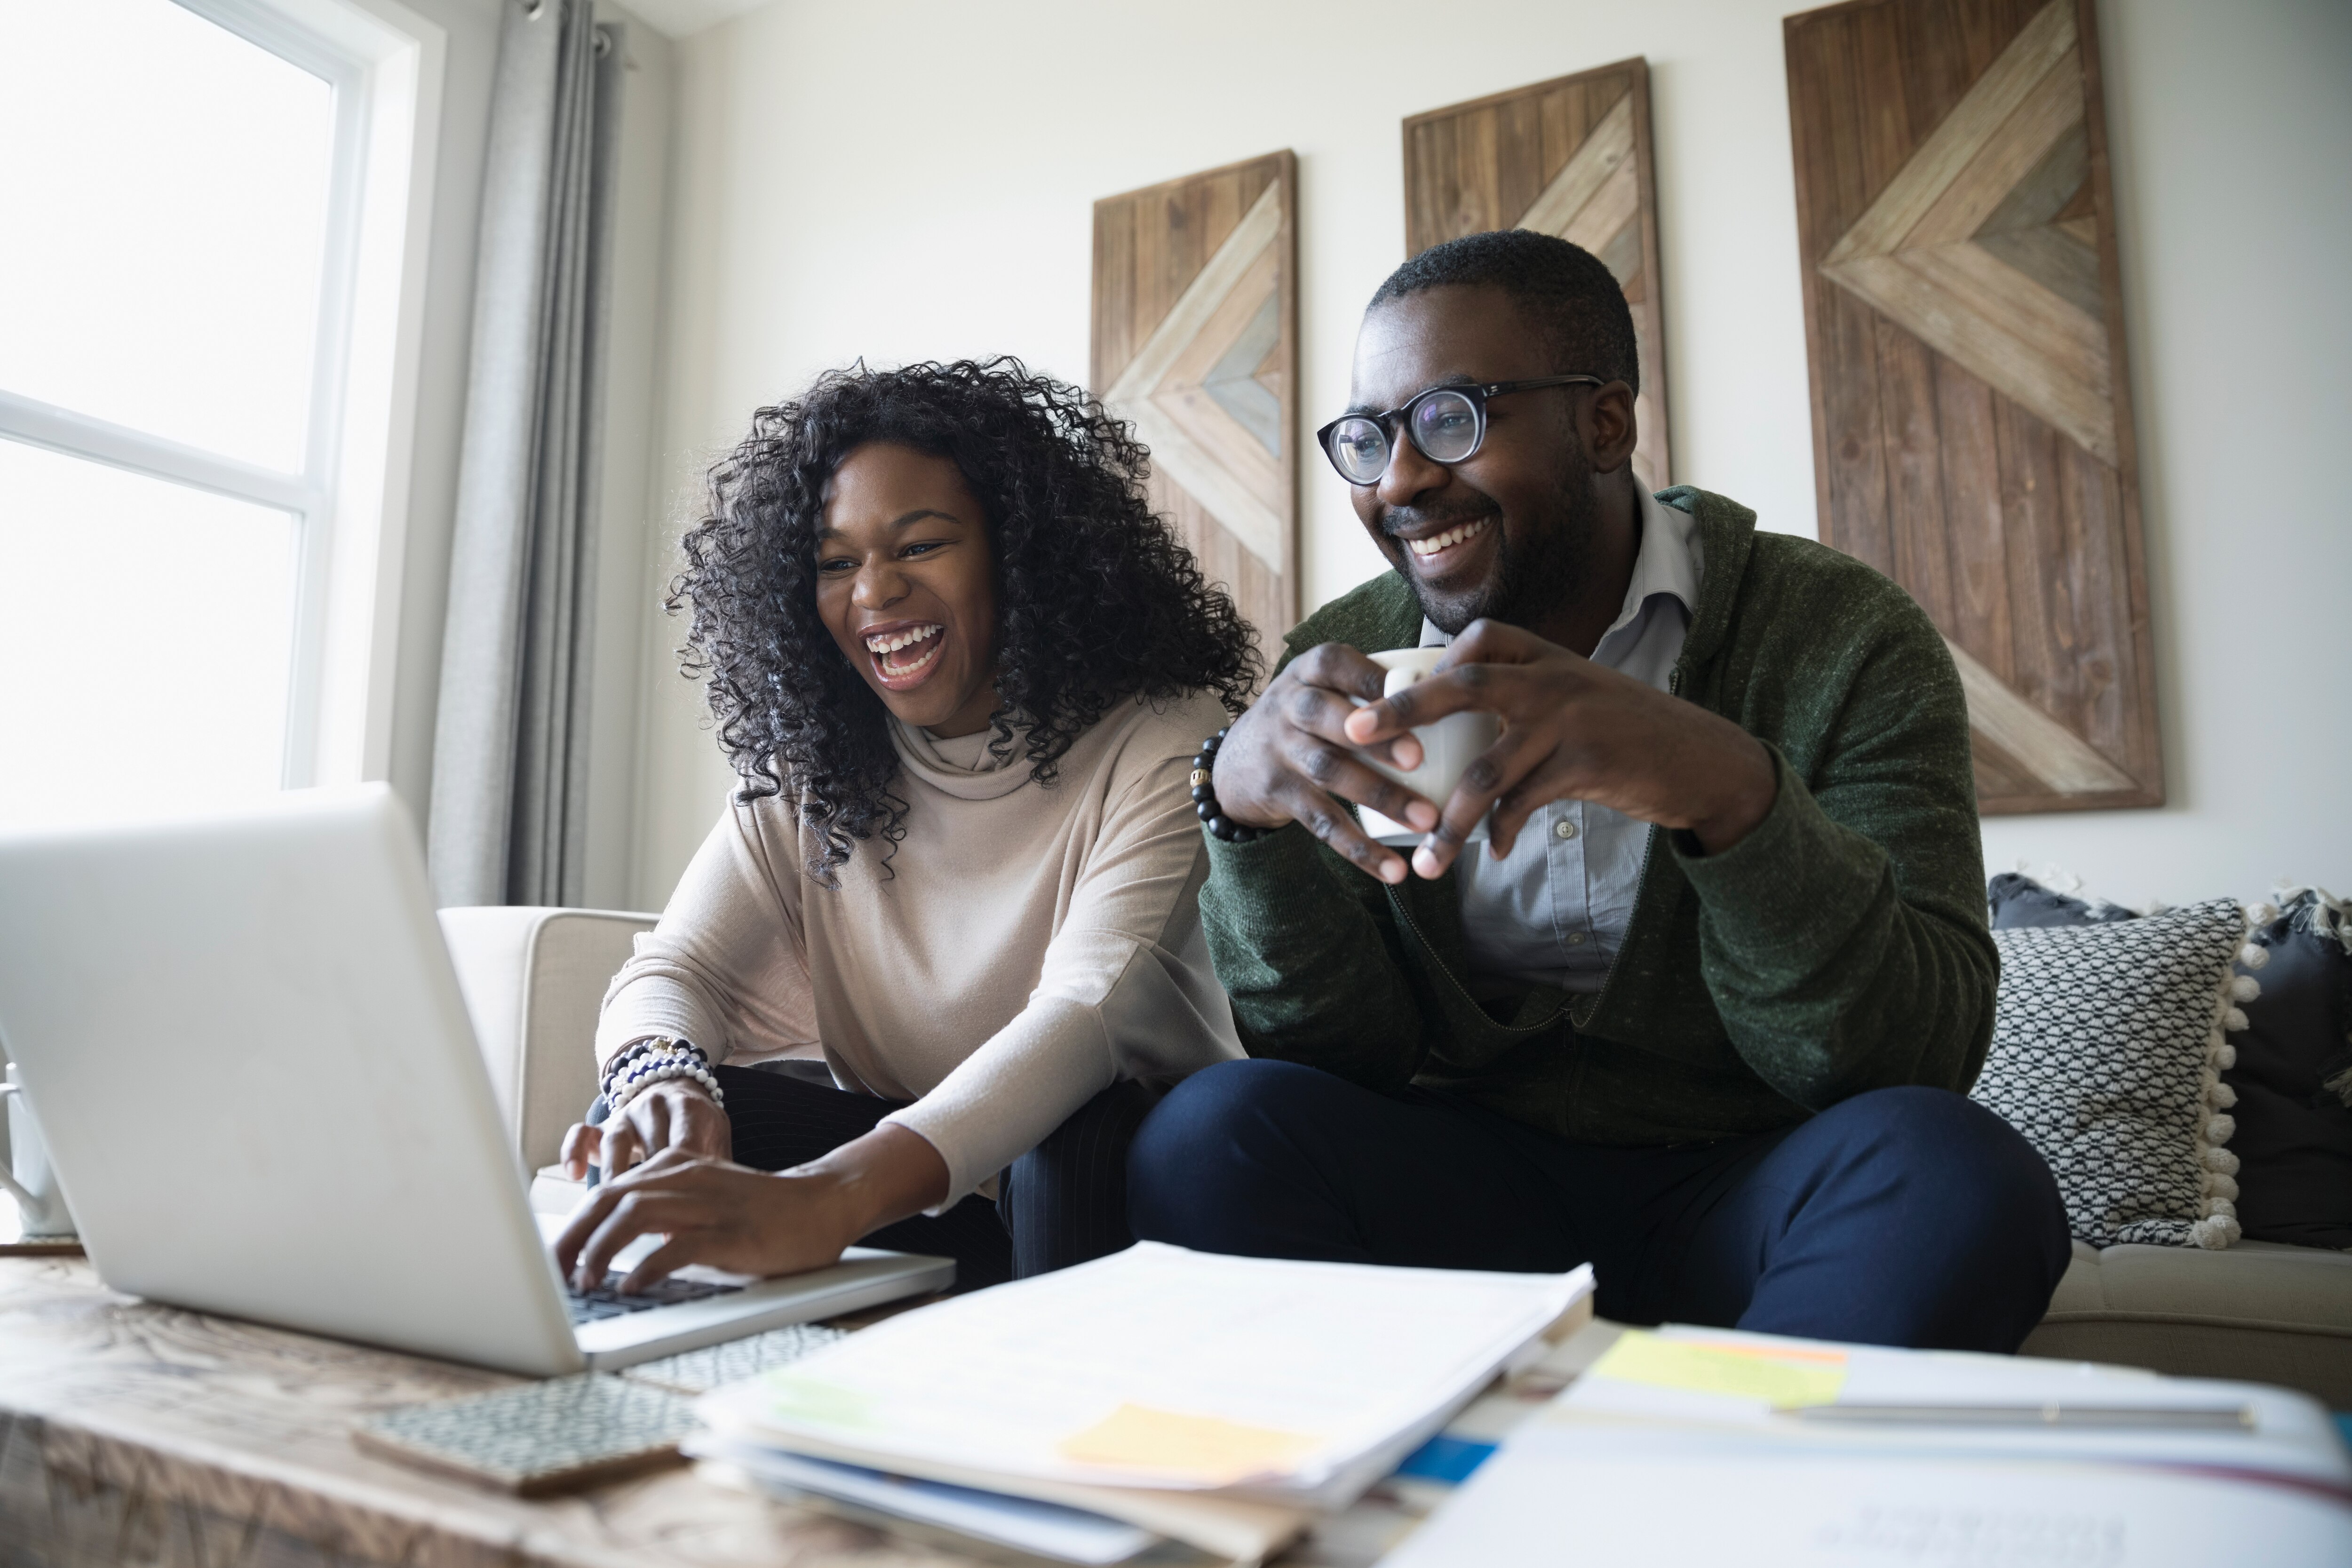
1535,574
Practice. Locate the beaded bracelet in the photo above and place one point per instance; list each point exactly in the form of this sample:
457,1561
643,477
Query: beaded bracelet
646,1062
634,1055
661,1056
609,1077
1205,797
672,1067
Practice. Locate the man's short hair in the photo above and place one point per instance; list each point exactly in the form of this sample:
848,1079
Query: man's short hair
1564,286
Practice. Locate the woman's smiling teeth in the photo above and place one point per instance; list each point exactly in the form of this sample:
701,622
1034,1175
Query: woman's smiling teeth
904,653
1450,538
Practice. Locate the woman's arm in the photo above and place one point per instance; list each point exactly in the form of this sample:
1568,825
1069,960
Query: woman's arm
731,1216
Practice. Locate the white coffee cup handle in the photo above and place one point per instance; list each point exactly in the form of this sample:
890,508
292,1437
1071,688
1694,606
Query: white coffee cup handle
25,1200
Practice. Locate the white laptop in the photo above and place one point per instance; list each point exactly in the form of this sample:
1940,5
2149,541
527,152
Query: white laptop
263,1097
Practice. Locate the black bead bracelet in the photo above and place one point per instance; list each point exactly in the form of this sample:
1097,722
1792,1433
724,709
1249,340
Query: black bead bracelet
1205,797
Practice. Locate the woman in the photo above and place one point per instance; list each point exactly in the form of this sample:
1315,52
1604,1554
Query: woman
962,670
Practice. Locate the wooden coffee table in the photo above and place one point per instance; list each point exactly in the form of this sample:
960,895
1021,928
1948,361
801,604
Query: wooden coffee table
136,1434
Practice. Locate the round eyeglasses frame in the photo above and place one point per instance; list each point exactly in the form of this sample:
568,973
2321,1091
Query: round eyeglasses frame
1473,395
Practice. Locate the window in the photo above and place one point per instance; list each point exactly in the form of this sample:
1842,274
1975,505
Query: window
203,283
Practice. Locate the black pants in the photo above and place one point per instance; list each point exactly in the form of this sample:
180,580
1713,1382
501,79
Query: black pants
1064,1202
1900,1217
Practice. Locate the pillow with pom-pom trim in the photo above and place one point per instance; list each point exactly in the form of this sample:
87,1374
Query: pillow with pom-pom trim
2108,1045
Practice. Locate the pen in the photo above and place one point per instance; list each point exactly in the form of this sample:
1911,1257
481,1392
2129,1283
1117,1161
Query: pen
2204,1418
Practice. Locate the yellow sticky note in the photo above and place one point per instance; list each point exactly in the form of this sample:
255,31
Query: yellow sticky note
1207,1450
1782,1375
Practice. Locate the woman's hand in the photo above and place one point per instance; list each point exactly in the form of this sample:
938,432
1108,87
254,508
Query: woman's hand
676,1113
749,1222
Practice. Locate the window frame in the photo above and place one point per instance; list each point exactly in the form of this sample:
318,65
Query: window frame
384,64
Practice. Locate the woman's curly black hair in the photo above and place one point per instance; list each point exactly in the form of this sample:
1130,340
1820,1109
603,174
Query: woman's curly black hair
1097,601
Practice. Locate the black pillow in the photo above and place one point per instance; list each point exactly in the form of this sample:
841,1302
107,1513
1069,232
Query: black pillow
2292,1077
2020,901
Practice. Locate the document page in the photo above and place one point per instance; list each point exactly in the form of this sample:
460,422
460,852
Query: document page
1160,1367
1809,1452
1540,1502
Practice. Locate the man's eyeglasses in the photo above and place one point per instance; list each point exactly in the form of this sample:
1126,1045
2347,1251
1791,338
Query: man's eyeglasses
1445,424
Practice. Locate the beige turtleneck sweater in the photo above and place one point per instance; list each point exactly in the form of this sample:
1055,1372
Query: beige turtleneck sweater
1027,948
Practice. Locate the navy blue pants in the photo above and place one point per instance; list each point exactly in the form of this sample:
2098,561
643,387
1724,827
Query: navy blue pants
1064,1202
1901,1216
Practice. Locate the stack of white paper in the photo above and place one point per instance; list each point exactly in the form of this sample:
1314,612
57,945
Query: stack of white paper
1695,1446
1219,1401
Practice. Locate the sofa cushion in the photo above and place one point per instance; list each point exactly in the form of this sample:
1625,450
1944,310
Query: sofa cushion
2107,1050
2264,1312
2269,1281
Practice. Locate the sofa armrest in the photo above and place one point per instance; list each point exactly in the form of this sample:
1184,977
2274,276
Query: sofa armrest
534,980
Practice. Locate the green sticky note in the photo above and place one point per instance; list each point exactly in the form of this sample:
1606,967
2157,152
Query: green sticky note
791,1396
1785,1376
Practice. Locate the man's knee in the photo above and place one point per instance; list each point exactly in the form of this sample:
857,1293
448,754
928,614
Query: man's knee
1948,1135
1973,1182
1210,1150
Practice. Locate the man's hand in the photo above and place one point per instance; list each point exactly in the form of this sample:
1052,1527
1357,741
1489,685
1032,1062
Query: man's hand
1572,730
1291,758
749,1222
676,1113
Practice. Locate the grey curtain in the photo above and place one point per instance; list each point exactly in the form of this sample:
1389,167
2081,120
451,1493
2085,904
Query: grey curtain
510,751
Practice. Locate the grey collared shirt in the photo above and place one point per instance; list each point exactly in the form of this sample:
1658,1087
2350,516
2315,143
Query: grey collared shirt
1554,910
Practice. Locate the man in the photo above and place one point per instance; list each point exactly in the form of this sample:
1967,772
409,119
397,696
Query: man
1705,1010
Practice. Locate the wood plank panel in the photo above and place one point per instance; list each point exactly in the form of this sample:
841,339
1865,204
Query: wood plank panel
1972,434
1185,272
1570,157
1976,530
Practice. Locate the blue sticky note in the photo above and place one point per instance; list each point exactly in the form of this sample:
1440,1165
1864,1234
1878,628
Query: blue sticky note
1445,1458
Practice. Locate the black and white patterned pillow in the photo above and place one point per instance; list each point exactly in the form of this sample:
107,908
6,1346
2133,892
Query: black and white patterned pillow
2107,1048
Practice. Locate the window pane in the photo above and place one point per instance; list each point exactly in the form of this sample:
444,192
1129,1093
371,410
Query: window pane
164,197
145,633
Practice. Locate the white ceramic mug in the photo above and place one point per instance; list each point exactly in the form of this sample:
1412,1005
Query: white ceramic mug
1448,747
32,1183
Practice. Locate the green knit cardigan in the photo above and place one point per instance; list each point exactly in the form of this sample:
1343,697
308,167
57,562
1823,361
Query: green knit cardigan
1839,946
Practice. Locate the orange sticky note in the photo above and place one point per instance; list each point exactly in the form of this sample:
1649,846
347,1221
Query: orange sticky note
1207,1450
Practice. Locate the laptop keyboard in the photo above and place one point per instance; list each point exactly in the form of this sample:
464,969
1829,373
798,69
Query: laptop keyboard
606,1300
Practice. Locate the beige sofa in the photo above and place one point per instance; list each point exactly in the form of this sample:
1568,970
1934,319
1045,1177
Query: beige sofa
533,979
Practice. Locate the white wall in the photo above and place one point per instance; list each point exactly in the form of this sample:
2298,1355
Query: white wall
914,178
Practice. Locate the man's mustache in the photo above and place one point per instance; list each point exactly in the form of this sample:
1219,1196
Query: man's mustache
1392,520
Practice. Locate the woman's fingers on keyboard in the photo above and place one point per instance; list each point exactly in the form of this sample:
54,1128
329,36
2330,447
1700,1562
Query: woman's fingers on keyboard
659,1264
632,1213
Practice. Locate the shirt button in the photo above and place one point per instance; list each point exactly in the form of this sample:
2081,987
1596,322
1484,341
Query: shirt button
1576,938
1564,828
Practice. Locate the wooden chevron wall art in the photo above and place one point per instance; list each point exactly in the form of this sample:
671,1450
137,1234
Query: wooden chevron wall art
1569,157
1972,427
1196,343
